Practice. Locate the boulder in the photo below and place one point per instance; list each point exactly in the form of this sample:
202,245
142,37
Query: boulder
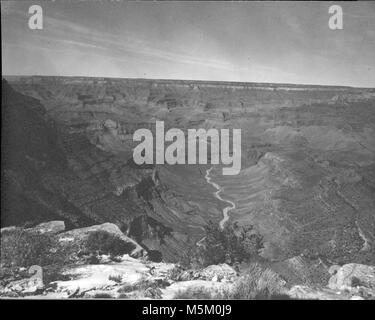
353,276
82,234
153,293
112,279
24,286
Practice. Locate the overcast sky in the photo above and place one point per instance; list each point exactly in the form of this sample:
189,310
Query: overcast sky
255,42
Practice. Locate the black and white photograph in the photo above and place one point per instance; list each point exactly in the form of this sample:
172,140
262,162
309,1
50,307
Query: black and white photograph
187,150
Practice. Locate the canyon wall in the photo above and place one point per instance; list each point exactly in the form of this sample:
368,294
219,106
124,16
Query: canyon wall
307,182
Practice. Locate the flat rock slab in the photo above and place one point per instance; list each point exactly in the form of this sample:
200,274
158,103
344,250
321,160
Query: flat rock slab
97,277
51,227
82,234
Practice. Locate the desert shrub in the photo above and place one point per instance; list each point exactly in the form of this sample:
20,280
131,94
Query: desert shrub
92,258
155,255
175,273
104,242
195,293
302,271
20,248
143,284
126,288
258,282
115,278
153,293
240,291
233,244
53,273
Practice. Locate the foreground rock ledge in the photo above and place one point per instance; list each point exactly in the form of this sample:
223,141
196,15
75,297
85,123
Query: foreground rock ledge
133,276
81,234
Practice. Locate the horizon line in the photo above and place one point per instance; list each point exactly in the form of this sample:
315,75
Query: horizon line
192,80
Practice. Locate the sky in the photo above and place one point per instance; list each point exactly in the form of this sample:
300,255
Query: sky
278,42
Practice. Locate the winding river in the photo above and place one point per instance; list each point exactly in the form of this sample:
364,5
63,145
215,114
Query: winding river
218,196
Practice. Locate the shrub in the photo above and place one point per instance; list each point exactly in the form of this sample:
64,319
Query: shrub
142,284
20,248
233,244
115,278
258,283
175,273
53,273
195,293
104,242
128,288
155,256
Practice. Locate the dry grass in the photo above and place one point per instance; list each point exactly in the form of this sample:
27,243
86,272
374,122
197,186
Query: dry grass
258,283
23,249
115,278
196,293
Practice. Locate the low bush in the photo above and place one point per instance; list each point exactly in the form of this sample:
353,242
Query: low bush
20,248
258,282
104,242
196,293
175,273
233,244
115,278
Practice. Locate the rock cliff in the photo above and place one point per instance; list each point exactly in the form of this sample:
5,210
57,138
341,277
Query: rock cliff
308,160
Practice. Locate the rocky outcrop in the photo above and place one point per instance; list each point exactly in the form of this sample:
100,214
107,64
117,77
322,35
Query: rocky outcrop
353,277
81,235
23,287
83,177
129,273
350,281
33,159
50,227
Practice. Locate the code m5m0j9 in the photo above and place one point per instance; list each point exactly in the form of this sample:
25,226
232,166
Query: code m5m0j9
202,309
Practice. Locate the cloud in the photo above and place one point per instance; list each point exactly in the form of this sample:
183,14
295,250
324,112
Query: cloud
63,31
179,43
